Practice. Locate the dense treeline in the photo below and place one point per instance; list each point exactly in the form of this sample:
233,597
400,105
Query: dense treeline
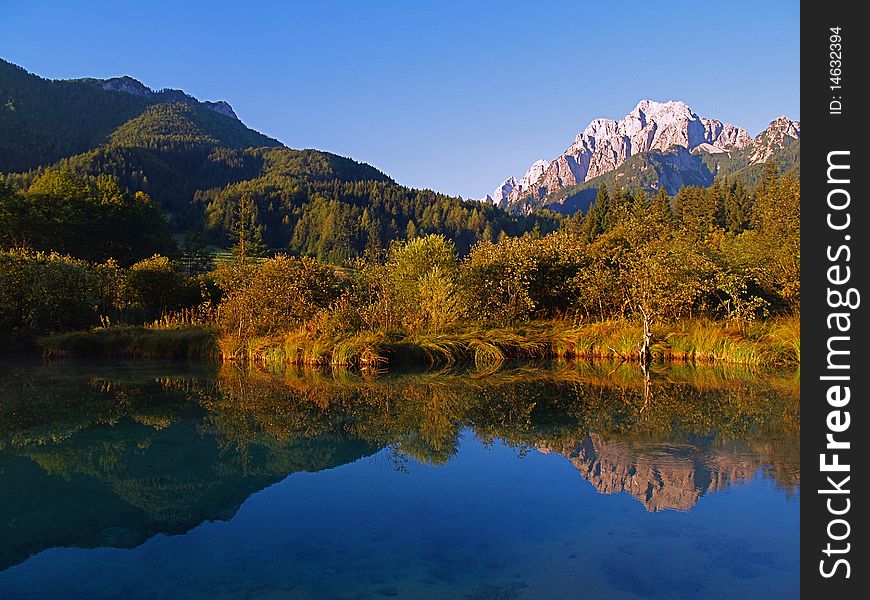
336,221
176,171
42,293
182,124
718,253
92,218
302,202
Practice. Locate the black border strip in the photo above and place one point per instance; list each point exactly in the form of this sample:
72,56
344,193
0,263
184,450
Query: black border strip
832,131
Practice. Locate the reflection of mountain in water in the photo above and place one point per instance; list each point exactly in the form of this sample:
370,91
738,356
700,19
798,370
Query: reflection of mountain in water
99,456
662,475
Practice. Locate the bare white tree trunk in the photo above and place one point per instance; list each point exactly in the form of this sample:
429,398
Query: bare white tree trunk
644,354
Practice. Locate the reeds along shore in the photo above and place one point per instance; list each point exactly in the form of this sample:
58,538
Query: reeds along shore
771,342
768,343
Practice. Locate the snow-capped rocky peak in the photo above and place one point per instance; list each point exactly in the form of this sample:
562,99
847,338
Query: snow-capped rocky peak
500,194
662,112
606,143
510,187
724,135
599,128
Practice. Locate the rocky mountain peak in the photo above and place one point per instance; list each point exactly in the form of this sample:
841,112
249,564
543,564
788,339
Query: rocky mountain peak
129,85
223,107
533,174
125,84
605,144
780,132
511,187
661,476
662,112
500,194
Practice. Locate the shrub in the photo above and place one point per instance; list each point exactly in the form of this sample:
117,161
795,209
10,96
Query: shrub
521,278
154,286
41,293
273,296
422,284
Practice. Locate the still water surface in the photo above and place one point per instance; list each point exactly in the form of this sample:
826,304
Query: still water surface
179,481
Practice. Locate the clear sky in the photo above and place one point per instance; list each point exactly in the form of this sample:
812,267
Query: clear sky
454,96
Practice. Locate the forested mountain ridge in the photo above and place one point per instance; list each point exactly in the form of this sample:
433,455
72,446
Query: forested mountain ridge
212,175
43,120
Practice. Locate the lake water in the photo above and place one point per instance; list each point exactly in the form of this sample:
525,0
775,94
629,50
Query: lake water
570,481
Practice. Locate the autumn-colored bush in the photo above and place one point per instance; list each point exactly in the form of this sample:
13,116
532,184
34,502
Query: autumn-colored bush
274,295
522,278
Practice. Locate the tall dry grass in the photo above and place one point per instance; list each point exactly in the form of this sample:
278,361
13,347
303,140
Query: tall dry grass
772,342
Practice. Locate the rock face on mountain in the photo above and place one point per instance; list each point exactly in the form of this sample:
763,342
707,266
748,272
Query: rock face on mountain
500,195
511,187
134,87
661,476
125,84
780,131
223,107
651,127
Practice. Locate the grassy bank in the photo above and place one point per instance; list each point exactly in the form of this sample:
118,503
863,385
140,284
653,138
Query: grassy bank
188,342
767,343
773,342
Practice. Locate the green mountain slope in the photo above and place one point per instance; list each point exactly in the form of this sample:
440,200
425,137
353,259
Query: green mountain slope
42,120
202,166
169,126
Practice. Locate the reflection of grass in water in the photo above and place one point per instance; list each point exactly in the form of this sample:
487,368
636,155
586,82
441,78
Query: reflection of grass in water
176,342
52,402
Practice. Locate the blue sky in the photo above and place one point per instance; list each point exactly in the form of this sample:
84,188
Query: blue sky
453,96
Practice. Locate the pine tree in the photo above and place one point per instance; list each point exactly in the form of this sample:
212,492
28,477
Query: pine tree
598,217
662,204
249,238
768,177
738,208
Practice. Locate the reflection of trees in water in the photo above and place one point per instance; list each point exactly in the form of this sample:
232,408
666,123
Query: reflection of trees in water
110,460
152,449
421,415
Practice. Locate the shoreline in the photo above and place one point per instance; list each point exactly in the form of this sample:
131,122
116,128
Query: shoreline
775,342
